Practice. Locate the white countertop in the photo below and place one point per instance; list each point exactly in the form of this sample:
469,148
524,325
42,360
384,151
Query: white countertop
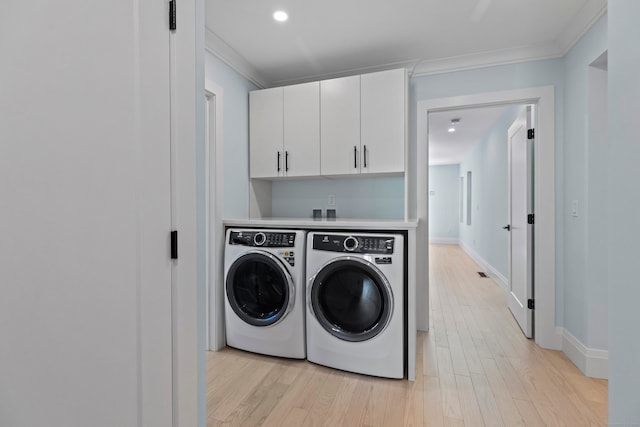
310,223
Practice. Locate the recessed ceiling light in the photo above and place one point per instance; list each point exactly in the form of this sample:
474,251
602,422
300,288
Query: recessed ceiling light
454,122
280,15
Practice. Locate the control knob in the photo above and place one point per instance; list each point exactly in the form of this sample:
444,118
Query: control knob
259,239
350,243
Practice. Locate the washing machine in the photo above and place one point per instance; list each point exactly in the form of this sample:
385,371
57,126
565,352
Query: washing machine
355,302
265,291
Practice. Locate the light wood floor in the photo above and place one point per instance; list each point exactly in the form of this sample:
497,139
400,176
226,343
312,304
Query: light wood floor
474,368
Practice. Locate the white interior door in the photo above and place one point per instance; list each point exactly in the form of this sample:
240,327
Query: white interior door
85,274
520,238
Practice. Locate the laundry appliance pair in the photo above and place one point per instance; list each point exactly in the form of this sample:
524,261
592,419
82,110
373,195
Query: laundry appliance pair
335,298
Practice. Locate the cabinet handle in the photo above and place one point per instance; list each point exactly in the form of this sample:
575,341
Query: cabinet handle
365,156
278,161
286,161
355,157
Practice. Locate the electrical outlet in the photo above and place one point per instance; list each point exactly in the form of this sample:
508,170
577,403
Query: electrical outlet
331,200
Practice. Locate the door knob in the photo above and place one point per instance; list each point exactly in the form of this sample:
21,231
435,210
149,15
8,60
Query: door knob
507,227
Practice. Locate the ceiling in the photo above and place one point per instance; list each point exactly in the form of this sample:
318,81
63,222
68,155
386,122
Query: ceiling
447,148
332,38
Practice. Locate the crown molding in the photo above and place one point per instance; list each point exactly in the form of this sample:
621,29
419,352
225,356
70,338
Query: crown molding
344,73
488,59
590,13
221,50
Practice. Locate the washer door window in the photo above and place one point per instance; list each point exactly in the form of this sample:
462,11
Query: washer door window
259,288
351,299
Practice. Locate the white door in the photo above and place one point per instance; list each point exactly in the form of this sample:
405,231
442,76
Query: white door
340,126
85,274
520,233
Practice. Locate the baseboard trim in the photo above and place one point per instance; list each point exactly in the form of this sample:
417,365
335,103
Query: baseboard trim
444,240
486,267
592,362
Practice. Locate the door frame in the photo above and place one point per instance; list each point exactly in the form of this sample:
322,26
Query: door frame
188,290
213,213
544,198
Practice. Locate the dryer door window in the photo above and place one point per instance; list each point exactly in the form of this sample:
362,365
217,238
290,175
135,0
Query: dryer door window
259,288
351,299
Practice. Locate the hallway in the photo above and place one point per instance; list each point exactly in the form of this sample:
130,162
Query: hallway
478,364
474,368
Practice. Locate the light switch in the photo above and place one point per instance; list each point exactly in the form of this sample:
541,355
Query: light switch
574,208
331,200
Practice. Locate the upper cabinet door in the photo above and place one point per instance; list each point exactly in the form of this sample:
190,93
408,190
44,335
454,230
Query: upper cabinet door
302,130
266,133
383,121
340,126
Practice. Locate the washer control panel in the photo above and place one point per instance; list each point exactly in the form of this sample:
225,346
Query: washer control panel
353,244
265,239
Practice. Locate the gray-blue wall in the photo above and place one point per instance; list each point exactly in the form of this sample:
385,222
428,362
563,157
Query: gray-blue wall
376,198
444,203
487,161
623,204
236,135
580,293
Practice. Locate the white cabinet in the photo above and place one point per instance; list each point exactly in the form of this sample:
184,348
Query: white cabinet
363,126
266,132
344,126
302,130
383,121
284,131
340,126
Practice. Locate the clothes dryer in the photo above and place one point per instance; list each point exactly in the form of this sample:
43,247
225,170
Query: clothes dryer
265,291
355,302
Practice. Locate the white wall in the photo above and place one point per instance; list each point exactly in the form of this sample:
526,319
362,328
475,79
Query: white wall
444,203
623,204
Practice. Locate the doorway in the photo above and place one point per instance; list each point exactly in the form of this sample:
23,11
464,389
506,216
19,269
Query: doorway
212,251
471,197
544,197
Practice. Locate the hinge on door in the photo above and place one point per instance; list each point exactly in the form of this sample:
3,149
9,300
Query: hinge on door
530,219
172,15
531,133
174,244
531,304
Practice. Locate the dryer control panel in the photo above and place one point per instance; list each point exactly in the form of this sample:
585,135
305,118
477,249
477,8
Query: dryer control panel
265,239
353,244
